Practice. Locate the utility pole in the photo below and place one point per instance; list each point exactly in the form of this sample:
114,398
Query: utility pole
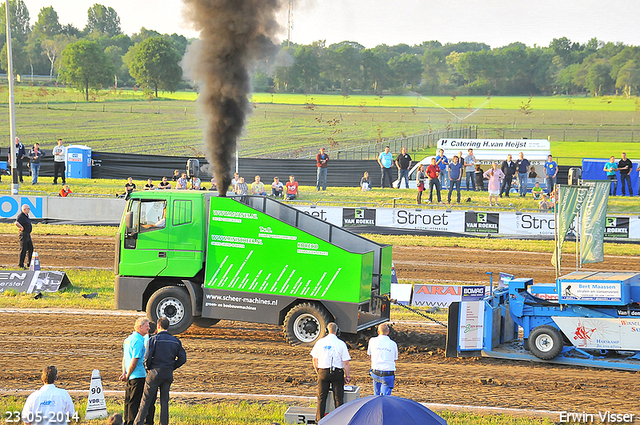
289,22
12,112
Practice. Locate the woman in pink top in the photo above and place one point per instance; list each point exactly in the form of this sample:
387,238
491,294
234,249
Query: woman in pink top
495,175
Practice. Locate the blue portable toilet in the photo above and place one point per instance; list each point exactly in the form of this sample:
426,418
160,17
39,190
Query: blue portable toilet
78,163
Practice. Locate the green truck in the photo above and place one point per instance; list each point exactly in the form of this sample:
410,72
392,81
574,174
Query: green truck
197,258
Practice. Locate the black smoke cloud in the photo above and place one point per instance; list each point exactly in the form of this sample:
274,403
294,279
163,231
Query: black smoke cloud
233,35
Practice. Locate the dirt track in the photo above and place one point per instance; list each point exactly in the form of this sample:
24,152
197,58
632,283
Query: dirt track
248,358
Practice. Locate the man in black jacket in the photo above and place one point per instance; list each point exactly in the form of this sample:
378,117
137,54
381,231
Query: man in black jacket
164,355
509,169
625,166
23,222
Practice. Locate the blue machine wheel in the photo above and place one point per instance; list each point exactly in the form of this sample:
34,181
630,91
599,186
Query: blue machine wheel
545,342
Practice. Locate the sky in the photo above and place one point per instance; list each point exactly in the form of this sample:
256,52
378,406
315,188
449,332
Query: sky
372,22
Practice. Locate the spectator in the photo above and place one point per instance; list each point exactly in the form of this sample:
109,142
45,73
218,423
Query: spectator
384,353
35,156
241,188
149,185
182,182
495,176
59,156
625,166
129,187
277,187
164,184
443,163
420,179
234,181
509,170
544,204
470,169
176,175
537,191
553,197
23,223
522,165
433,172
195,183
364,182
214,184
21,154
455,177
292,189
551,173
532,174
322,161
48,402
611,167
257,187
385,159
403,162
65,191
479,174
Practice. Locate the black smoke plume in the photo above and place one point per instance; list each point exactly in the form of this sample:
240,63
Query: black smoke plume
233,35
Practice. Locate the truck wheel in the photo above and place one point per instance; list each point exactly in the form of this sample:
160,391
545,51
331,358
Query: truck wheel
545,342
305,324
174,304
202,322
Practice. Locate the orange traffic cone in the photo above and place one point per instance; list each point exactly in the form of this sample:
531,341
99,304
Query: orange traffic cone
35,263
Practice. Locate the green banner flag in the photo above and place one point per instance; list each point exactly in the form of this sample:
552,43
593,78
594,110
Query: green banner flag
594,216
570,200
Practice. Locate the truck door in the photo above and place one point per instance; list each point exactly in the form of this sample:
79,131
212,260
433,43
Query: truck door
144,250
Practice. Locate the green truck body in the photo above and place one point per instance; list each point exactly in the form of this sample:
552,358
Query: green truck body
191,256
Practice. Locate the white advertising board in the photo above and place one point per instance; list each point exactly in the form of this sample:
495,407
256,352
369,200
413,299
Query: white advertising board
428,219
331,215
470,333
591,291
620,334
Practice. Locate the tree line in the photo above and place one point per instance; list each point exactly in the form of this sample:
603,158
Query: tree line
102,56
96,57
467,68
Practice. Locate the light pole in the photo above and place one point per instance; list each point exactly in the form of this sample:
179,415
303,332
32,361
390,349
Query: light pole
12,112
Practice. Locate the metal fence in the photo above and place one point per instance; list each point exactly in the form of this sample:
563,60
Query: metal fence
564,134
413,143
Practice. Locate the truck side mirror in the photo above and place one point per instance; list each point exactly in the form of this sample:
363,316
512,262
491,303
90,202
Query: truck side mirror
128,222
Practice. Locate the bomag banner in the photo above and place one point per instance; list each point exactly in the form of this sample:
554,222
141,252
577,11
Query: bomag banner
481,222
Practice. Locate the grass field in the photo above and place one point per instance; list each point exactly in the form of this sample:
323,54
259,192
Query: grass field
285,125
308,194
253,413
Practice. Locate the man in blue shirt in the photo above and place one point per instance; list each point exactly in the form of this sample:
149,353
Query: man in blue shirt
611,167
133,372
443,162
164,355
386,162
550,171
455,177
523,171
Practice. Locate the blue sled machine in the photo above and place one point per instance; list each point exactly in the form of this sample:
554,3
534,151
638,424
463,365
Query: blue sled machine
585,319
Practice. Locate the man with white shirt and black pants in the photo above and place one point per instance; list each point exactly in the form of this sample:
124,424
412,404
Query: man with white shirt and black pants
384,353
331,362
59,156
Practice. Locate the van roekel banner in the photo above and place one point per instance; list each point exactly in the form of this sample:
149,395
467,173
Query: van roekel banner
32,282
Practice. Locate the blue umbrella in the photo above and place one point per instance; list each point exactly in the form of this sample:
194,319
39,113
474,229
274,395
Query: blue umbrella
380,409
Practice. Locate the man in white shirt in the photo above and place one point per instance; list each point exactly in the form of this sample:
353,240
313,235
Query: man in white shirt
49,405
59,156
331,362
384,353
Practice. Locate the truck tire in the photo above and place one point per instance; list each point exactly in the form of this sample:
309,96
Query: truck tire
545,342
173,303
306,323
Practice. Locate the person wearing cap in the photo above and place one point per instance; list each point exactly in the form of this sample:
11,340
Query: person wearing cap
384,353
322,161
